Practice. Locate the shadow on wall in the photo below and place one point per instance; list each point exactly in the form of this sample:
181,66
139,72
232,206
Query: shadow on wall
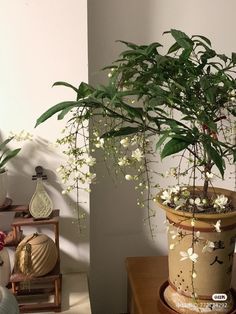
21,189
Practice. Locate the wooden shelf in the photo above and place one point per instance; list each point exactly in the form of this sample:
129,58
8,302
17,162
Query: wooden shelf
25,288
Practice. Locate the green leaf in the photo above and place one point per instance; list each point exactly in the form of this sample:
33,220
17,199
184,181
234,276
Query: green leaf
174,146
223,57
176,46
84,90
152,47
162,140
203,38
121,132
215,157
234,57
66,85
59,107
182,39
63,113
8,155
3,144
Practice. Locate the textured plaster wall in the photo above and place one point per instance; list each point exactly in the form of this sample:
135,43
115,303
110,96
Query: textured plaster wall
42,42
117,228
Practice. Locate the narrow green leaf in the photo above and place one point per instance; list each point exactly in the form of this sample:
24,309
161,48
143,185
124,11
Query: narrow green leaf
176,46
215,157
121,132
8,155
63,113
3,144
182,39
66,85
162,140
234,57
203,38
173,146
59,107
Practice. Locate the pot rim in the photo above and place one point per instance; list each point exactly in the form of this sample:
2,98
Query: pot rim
201,215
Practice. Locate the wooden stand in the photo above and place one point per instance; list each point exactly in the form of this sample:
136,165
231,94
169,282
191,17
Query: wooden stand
33,293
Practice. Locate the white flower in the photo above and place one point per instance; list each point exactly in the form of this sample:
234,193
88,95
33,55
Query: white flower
209,247
90,161
179,203
191,201
175,233
198,201
189,255
166,196
128,177
172,246
123,161
209,175
220,201
194,274
172,172
217,226
175,189
90,177
137,154
100,142
192,222
125,142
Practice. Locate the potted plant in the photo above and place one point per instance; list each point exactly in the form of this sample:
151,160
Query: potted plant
6,154
179,103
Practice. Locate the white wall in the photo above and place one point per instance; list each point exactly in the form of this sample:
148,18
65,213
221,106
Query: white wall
117,229
42,42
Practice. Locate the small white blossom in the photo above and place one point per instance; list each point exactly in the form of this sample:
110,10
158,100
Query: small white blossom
100,142
125,142
220,201
209,175
209,247
172,172
217,226
175,233
194,274
189,255
175,189
90,161
166,196
172,246
137,154
128,177
192,222
123,161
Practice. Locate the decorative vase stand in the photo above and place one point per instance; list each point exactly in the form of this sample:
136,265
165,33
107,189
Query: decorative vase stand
35,294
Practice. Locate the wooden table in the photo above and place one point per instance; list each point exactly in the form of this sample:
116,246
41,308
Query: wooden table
145,276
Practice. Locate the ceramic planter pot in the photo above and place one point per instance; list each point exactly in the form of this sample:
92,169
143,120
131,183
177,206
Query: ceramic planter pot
8,303
3,187
213,268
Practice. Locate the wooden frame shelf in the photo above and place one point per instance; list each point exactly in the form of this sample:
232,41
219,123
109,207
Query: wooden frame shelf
33,293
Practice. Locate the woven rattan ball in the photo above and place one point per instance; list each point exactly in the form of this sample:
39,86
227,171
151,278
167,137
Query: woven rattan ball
36,255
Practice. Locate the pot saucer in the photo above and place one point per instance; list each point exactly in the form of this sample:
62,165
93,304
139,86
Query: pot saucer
165,308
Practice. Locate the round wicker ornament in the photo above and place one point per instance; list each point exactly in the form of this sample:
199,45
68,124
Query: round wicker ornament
36,255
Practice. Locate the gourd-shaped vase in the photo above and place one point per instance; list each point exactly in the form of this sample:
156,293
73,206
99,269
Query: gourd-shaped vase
41,204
